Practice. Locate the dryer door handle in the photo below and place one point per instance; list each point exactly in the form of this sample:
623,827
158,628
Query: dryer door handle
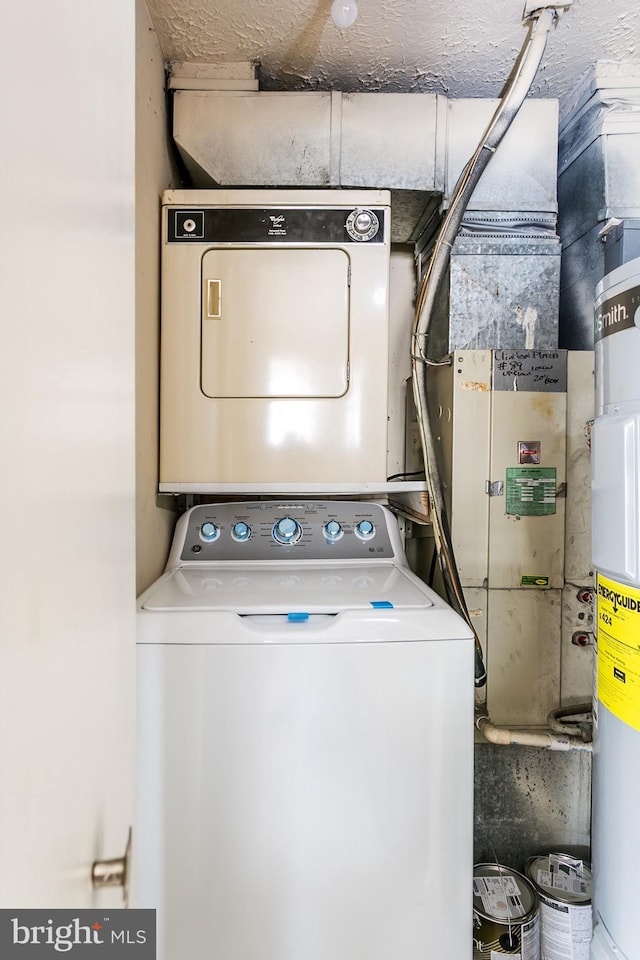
214,299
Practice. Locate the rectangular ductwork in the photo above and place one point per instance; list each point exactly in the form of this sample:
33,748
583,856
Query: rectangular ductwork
412,144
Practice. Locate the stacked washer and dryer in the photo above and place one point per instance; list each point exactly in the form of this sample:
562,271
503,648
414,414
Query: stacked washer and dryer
305,701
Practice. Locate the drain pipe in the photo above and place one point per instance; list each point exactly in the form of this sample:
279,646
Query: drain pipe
545,739
541,17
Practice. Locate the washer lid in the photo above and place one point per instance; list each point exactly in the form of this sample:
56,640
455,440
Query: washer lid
280,588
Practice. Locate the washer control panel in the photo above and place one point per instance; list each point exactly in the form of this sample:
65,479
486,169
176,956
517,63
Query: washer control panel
286,529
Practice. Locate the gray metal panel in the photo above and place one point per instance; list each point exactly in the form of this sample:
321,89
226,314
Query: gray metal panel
581,193
582,269
501,295
603,182
530,801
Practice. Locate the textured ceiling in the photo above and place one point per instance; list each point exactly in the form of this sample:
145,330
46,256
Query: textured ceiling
458,47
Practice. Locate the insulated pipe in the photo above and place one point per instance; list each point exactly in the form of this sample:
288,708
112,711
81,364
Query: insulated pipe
516,92
559,720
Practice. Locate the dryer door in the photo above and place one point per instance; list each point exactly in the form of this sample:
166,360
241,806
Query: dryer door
275,322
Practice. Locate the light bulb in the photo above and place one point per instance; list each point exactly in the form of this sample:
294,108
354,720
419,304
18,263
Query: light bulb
344,13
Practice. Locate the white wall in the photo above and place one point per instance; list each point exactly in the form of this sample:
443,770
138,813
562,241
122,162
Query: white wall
67,621
153,174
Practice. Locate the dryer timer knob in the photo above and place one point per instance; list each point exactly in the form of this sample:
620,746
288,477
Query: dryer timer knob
362,224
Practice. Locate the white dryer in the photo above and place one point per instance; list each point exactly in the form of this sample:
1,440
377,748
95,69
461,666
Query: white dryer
275,340
305,742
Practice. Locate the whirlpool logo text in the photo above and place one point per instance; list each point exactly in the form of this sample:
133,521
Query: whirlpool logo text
82,933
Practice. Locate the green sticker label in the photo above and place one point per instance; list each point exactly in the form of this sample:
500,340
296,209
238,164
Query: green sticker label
530,491
534,581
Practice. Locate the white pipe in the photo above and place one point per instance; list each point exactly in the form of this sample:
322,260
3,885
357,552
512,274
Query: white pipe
505,736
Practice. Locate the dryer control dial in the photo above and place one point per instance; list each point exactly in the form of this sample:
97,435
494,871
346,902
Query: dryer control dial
209,532
286,530
365,530
362,224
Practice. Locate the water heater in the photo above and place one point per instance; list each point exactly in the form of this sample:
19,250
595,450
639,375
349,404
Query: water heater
616,556
274,355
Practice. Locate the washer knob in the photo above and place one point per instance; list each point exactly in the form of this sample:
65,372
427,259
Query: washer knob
241,531
333,531
287,530
365,530
209,532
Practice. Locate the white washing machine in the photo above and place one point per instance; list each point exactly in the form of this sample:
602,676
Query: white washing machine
305,742
275,340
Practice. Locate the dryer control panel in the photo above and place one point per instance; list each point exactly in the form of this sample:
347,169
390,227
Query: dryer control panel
285,529
279,225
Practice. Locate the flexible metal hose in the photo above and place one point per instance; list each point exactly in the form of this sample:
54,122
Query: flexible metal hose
516,91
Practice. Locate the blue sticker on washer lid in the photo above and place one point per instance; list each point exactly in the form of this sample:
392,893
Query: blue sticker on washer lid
297,617
382,604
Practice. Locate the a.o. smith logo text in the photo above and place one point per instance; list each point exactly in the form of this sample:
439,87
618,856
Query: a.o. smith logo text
79,933
617,313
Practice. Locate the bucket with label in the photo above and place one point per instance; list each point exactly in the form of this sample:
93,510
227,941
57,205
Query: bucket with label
506,917
563,885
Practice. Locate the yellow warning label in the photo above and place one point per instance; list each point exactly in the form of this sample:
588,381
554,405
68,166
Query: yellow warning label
619,650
